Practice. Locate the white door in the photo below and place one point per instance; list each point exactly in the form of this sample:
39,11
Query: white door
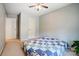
10,28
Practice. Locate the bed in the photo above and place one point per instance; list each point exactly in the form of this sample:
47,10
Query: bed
45,46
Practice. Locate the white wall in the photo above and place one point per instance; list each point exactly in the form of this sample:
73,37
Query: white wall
29,26
2,27
62,23
10,28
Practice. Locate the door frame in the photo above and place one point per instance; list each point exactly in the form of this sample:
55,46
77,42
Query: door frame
18,26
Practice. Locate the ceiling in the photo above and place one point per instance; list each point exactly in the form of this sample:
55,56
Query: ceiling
12,9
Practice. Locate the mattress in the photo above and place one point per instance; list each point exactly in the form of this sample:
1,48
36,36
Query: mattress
46,47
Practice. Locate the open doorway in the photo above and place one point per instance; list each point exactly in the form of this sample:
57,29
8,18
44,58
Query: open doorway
13,27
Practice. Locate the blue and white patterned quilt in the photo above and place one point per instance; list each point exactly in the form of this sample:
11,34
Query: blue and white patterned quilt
46,47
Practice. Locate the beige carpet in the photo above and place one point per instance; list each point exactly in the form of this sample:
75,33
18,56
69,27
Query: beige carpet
13,48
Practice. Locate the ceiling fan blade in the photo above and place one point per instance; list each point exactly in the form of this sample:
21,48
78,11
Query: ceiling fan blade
32,6
44,6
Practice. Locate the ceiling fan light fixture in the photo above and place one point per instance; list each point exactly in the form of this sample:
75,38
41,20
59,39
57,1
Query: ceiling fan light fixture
39,6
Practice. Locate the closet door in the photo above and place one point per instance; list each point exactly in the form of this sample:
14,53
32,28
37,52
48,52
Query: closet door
10,28
31,27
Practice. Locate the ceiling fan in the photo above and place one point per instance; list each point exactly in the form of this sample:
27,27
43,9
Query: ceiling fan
38,6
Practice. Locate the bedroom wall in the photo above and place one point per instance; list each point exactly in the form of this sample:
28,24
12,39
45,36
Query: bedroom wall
10,28
29,26
2,27
62,23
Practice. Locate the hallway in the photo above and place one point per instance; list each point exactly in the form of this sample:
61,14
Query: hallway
13,48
